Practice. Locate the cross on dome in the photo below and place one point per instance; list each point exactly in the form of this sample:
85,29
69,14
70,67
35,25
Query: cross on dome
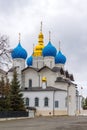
49,36
59,45
19,37
41,27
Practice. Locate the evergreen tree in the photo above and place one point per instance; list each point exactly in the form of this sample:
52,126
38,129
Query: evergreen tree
2,96
7,95
16,97
84,102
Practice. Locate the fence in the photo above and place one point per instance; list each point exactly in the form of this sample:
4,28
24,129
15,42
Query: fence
10,114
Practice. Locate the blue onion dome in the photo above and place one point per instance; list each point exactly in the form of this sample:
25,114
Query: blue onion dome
19,52
60,58
30,61
49,50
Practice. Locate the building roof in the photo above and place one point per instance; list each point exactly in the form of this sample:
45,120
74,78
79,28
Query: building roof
12,69
60,79
56,69
29,67
48,88
44,68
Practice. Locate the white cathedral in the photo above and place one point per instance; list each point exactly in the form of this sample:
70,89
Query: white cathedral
45,84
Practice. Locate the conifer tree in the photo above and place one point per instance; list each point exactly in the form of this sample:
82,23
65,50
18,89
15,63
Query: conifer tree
4,95
16,97
7,95
2,101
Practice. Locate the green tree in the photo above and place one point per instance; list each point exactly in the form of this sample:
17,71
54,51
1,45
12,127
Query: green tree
16,97
7,95
2,96
84,102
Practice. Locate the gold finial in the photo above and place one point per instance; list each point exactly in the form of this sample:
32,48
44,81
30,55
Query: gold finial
19,37
59,45
39,47
41,27
44,79
49,36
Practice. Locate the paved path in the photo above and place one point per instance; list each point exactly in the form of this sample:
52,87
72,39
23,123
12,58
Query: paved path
46,123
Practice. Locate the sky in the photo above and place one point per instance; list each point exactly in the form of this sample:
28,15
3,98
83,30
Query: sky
67,21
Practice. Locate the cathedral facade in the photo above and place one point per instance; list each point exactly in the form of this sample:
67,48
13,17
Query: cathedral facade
45,84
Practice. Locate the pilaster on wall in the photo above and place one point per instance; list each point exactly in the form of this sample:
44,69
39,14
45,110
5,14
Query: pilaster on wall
49,61
38,62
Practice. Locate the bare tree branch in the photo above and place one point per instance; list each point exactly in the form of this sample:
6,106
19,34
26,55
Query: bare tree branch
5,52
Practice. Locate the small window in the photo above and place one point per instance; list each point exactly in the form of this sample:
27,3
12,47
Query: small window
46,102
66,100
26,101
56,104
50,64
30,83
36,102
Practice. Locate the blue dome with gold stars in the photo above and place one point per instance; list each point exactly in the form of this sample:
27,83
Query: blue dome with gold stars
19,52
49,50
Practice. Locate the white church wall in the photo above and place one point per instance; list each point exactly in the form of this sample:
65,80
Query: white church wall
41,95
61,85
38,62
71,95
33,75
52,96
49,61
50,76
20,63
72,100
61,97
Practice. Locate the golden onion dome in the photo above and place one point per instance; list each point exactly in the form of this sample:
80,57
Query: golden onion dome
39,47
44,79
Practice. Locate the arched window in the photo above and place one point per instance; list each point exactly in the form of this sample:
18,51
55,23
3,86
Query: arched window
30,83
46,102
66,100
36,102
56,104
26,101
